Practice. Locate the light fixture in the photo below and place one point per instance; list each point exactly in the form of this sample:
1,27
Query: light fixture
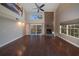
19,23
23,24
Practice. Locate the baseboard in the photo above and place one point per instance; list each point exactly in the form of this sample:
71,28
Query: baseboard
69,41
10,41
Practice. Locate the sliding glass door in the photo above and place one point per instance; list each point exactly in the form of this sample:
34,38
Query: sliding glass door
35,29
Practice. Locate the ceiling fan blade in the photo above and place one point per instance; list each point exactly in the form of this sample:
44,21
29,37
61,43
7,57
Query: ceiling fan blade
41,9
36,5
38,11
42,5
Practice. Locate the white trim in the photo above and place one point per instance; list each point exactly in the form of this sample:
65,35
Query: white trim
69,42
54,22
10,41
67,29
60,29
70,36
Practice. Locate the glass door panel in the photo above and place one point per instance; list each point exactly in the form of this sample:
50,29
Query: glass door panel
39,29
35,29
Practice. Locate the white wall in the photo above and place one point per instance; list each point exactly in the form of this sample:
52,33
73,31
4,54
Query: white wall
65,13
10,30
68,12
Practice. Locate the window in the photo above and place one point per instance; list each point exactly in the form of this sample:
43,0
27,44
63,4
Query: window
72,30
36,16
63,29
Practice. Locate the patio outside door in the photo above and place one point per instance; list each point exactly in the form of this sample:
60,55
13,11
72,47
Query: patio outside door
35,29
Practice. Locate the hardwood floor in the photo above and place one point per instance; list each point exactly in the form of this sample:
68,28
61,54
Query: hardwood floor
39,46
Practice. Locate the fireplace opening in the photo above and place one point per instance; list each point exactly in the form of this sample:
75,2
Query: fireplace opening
49,31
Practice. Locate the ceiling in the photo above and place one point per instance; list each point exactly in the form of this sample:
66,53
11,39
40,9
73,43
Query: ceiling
49,7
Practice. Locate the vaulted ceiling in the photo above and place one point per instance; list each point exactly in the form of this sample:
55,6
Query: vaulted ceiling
49,7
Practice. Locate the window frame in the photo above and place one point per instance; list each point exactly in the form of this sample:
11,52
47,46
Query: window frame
70,30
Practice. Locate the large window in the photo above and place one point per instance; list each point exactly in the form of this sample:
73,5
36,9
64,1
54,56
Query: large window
72,30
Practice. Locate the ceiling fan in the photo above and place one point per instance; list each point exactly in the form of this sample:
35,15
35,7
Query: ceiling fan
39,7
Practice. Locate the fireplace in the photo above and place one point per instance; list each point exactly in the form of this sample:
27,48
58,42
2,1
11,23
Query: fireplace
48,31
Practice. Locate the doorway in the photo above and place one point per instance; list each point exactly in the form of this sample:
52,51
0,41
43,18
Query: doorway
36,29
